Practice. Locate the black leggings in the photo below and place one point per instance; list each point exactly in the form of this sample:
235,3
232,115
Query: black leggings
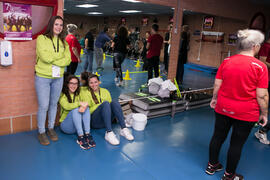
72,67
118,59
240,133
153,63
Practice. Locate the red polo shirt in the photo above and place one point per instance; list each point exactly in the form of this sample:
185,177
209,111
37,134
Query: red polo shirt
156,42
73,42
240,76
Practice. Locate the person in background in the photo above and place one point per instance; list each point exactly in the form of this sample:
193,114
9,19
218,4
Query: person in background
119,45
144,50
84,78
75,115
74,47
264,56
240,99
183,53
167,41
89,51
103,110
52,57
154,46
101,39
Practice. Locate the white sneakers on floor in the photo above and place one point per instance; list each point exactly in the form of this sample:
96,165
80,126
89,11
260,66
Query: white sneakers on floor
262,137
127,134
112,139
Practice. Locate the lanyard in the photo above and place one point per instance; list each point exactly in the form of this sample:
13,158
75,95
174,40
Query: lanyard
99,96
57,45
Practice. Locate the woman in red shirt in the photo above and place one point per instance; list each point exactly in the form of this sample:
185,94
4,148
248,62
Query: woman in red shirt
264,56
240,99
74,48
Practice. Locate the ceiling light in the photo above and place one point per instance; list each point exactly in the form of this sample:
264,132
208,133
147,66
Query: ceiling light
130,11
86,5
132,1
95,13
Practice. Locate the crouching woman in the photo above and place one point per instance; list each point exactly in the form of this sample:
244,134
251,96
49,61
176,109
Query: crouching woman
75,115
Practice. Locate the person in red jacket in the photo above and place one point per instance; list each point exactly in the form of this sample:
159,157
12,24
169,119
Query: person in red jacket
74,47
240,99
154,46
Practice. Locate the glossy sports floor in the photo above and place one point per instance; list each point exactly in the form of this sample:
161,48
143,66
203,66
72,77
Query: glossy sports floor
168,149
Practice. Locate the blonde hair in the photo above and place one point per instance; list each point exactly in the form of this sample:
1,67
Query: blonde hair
248,38
71,28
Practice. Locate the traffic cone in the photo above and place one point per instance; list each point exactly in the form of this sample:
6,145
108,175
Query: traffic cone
138,64
104,56
97,74
127,76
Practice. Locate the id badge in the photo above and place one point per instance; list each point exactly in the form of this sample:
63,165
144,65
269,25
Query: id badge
55,71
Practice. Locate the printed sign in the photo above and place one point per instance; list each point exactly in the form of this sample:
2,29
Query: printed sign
17,21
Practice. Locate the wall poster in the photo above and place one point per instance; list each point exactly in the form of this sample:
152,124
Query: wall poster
17,21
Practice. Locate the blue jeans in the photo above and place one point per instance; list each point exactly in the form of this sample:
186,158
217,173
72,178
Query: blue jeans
76,122
48,93
98,56
89,56
105,113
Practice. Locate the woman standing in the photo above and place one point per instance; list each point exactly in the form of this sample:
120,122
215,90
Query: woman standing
103,110
240,99
74,47
52,57
119,45
144,50
75,115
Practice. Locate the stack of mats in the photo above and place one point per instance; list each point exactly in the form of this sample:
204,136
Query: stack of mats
197,100
152,106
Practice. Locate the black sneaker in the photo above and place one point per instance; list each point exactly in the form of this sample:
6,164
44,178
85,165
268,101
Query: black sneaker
90,140
232,177
211,169
83,143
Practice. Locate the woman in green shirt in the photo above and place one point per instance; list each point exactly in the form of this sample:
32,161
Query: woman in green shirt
75,115
52,57
103,110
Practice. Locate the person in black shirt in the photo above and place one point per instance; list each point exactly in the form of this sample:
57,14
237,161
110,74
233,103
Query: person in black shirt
144,50
89,51
183,53
166,47
119,45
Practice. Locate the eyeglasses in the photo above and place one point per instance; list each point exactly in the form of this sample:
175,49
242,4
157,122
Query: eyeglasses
71,83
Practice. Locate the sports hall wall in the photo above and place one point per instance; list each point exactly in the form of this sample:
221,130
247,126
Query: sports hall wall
18,104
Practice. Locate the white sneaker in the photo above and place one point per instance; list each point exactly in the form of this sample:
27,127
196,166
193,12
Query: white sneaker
262,137
111,138
127,134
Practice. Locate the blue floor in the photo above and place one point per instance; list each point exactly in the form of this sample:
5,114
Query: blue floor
168,149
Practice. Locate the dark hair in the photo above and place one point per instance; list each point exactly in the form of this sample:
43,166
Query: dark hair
105,29
84,76
90,89
65,89
122,32
49,30
155,27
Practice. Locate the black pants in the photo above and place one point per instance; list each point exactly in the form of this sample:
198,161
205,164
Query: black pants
118,59
153,63
166,58
240,133
72,67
